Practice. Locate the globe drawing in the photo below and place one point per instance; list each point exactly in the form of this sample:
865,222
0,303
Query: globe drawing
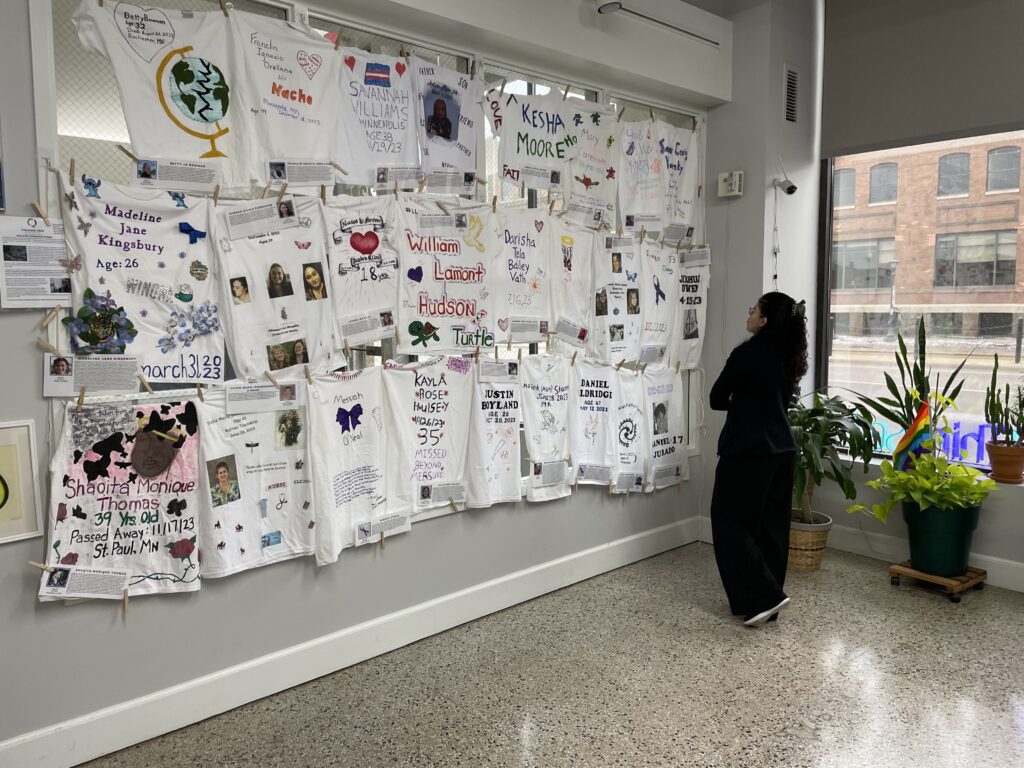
195,89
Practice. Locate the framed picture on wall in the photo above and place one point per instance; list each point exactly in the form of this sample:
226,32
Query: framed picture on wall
21,508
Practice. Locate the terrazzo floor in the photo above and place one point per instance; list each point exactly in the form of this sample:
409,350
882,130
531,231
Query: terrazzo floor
644,666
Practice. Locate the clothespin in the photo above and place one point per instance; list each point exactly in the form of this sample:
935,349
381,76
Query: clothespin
678,362
337,38
551,205
323,194
396,190
501,92
508,346
443,209
476,355
494,204
382,540
224,8
199,391
621,362
398,339
520,354
338,168
128,152
496,354
643,368
280,195
49,316
272,379
565,94
40,212
454,505
46,345
423,183
266,190
216,194
472,69
145,383
42,566
652,113
81,399
573,361
309,377
348,350
651,125
478,180
71,172
549,342
643,234
611,487
621,113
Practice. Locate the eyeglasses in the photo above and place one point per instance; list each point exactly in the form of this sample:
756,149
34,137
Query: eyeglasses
752,310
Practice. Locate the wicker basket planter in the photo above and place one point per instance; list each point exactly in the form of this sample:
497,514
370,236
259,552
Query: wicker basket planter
807,542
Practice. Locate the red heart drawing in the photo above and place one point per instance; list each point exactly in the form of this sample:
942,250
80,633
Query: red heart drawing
400,68
350,62
539,225
366,242
310,62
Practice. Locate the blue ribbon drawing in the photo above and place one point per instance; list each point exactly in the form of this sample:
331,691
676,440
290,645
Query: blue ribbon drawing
349,419
658,293
194,235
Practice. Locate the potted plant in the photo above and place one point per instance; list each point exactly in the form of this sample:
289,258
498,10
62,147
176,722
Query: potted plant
1005,413
821,430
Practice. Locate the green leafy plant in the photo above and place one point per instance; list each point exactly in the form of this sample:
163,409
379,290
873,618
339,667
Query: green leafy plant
933,480
1005,412
821,430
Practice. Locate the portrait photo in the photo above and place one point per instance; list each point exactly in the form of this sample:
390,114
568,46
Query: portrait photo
240,290
278,171
287,393
60,285
285,208
632,301
615,332
660,414
387,319
690,327
146,169
616,262
601,303
61,366
279,283
223,476
289,431
313,281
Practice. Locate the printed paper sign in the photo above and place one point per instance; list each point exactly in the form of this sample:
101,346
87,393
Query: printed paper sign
242,397
370,531
548,473
65,375
179,175
499,371
261,217
71,581
36,266
300,172
439,494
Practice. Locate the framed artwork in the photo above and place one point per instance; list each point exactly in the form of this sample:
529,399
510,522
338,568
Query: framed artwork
21,509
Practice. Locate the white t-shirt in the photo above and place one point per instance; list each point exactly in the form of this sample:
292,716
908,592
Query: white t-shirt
493,462
447,302
592,410
641,186
143,279
545,403
429,405
447,107
179,76
589,177
522,275
659,301
617,290
633,440
665,400
691,318
276,291
292,103
534,139
377,128
124,498
364,266
571,249
678,148
255,499
348,449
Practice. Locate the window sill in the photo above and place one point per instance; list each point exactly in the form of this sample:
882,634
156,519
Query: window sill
884,202
953,197
1002,191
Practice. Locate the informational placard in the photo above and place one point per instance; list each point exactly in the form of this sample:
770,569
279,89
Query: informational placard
548,473
370,531
499,371
67,375
433,495
243,397
72,581
261,217
36,269
302,173
178,175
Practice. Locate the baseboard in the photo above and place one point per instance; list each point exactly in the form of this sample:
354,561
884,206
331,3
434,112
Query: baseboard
1008,574
108,730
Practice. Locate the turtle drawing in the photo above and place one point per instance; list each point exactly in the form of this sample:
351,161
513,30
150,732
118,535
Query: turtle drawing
422,332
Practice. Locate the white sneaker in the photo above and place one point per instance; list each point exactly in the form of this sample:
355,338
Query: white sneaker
763,616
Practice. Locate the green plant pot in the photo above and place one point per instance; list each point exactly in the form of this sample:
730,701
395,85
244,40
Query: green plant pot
940,539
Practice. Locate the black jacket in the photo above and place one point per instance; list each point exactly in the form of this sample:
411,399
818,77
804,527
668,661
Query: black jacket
756,424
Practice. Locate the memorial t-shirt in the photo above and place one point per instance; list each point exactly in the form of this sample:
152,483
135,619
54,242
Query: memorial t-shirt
616,303
493,462
123,495
545,403
592,410
534,139
678,147
348,450
589,176
633,440
691,318
659,301
665,400
291,96
522,276
364,266
276,293
641,184
143,279
447,108
178,74
377,128
571,249
428,412
255,500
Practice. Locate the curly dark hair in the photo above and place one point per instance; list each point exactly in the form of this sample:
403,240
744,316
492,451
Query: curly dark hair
786,329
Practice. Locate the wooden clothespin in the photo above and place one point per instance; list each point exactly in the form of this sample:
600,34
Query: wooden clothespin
280,195
565,94
382,540
337,38
46,345
573,361
338,168
520,354
266,190
348,350
501,92
40,212
621,363
496,354
71,172
643,234
643,368
423,183
508,347
224,8
128,152
455,506
145,383
49,317
621,113
309,377
396,190
42,566
494,204
611,487
678,362
548,346
476,355
443,209
323,194
551,205
81,400
478,180
398,339
651,110
216,194
472,69
271,378
199,392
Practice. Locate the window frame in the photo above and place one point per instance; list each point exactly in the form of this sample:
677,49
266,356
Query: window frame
949,195
844,173
993,153
955,236
878,167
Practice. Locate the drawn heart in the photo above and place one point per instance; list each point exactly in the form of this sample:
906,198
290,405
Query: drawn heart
147,30
539,225
364,242
350,62
503,324
400,68
415,274
310,62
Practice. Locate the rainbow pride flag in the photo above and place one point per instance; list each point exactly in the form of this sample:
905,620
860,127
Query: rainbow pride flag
910,444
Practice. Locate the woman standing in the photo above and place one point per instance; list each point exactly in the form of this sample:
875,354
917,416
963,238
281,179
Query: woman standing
752,500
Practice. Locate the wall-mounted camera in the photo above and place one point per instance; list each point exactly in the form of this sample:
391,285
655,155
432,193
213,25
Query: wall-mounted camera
786,186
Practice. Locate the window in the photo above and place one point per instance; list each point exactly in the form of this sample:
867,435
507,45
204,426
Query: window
1004,169
863,263
976,259
946,324
954,174
844,188
883,183
995,324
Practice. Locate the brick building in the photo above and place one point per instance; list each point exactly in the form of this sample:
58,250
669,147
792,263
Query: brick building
932,231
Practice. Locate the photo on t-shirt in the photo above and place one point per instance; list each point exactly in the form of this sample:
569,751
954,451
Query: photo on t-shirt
632,301
286,392
313,281
223,476
286,354
278,171
615,332
146,169
441,107
240,290
279,282
290,434
690,328
601,303
660,418
285,208
616,262
60,285
387,319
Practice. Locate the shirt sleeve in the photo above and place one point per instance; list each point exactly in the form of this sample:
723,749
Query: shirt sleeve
89,25
727,381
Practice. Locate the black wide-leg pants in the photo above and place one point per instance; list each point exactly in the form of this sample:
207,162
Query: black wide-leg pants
750,514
